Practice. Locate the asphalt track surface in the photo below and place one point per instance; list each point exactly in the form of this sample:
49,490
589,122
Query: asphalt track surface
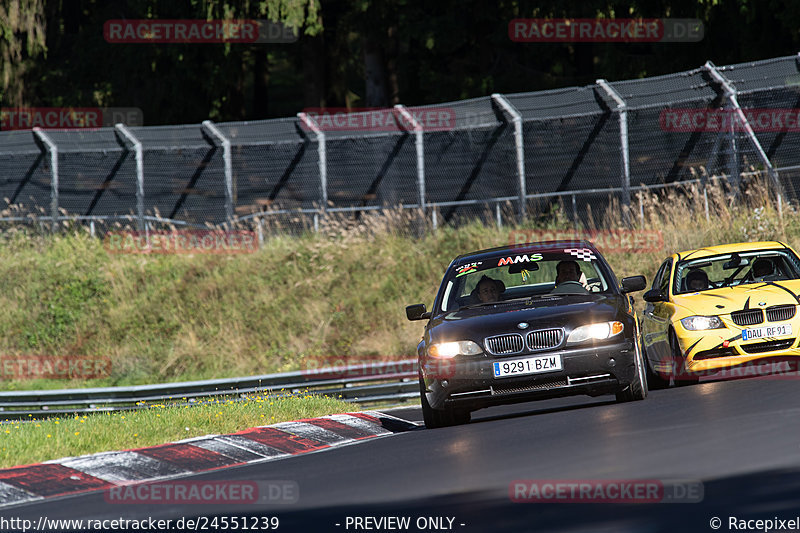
740,439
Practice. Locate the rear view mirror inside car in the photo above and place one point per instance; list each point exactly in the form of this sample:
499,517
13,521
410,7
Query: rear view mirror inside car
517,268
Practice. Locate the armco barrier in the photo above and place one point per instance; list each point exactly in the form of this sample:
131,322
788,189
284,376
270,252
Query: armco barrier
389,381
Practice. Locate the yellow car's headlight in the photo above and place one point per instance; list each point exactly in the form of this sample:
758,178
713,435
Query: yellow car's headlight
448,350
701,323
599,331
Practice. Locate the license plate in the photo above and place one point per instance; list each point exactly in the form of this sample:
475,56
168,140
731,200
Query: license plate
768,331
531,365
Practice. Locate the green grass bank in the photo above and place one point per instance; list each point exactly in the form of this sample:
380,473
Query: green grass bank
341,291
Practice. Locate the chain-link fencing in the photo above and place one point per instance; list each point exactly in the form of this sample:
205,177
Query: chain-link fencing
583,149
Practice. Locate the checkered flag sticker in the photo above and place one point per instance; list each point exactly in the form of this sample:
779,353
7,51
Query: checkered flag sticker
584,254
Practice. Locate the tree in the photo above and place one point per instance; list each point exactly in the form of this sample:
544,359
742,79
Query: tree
22,39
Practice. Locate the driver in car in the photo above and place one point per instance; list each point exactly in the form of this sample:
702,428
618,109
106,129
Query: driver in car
762,268
568,278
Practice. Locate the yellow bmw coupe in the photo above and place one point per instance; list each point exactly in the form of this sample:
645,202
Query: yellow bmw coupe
720,307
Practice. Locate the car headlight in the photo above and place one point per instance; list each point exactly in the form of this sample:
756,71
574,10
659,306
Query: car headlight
448,350
599,331
700,323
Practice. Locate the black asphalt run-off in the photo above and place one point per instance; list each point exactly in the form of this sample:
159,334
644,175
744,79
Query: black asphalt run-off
741,439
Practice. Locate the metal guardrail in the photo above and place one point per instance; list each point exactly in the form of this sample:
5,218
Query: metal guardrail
357,383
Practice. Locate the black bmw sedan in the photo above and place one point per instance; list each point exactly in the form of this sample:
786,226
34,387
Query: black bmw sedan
527,322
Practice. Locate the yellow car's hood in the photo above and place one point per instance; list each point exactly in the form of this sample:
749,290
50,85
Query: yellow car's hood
727,299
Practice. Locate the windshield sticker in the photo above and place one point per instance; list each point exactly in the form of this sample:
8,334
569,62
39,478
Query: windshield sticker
466,269
525,258
583,254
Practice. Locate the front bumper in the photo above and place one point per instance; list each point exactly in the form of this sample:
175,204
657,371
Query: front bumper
469,382
718,349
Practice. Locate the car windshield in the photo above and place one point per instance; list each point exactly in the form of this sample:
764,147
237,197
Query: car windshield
514,276
728,270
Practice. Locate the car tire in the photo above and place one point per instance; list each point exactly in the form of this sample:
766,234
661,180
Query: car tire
654,379
637,389
680,362
440,418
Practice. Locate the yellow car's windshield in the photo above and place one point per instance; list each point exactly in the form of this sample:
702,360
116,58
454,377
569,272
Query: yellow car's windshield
728,270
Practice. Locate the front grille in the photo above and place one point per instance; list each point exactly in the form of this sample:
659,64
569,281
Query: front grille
504,344
539,385
780,312
545,338
769,346
747,318
711,354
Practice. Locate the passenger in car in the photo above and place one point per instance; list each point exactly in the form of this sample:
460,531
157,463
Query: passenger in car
696,280
488,290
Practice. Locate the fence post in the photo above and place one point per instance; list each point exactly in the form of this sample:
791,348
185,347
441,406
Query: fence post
138,150
323,166
53,149
622,109
226,157
731,93
516,119
574,212
641,209
260,231
419,134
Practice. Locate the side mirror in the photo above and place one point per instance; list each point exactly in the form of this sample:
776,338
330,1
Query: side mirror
654,295
633,284
417,312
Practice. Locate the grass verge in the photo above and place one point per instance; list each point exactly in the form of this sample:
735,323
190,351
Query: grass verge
33,441
299,300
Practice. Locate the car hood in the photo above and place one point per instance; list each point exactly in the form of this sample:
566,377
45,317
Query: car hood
727,299
566,311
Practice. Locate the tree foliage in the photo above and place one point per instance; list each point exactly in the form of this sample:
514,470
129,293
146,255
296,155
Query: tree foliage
352,53
21,38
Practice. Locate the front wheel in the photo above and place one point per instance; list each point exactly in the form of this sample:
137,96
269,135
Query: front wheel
440,418
637,389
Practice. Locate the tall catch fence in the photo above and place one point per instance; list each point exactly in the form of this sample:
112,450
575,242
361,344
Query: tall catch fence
500,157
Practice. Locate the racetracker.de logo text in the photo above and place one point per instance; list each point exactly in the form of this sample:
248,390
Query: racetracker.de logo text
195,31
379,119
206,492
24,367
605,491
60,118
607,241
726,120
565,30
181,242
